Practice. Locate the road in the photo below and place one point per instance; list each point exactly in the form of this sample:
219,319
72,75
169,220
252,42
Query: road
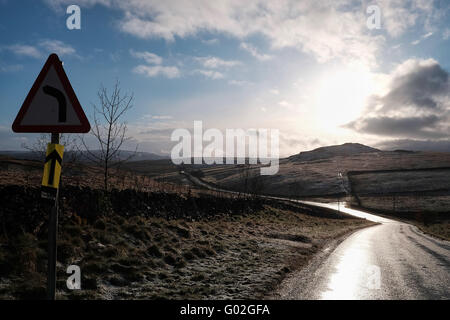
392,260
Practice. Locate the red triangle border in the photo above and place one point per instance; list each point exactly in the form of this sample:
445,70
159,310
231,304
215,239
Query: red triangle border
84,127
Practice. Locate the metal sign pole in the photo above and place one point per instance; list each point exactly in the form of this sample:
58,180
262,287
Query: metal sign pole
52,236
70,118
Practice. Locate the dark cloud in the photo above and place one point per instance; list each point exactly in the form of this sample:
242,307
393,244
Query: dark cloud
421,88
415,145
416,106
402,127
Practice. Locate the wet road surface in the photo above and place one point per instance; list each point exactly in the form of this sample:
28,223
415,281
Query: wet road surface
393,260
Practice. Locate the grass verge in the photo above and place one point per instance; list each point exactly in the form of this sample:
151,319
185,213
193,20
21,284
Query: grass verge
242,256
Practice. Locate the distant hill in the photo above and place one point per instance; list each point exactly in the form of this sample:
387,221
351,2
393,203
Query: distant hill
316,172
139,156
346,149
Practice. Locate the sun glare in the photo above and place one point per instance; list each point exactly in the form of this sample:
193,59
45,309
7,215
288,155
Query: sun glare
340,96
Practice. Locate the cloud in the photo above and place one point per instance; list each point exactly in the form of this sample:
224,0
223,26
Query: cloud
154,67
11,68
210,74
416,104
417,83
156,117
446,34
45,46
274,91
149,57
285,104
427,35
254,52
210,62
25,50
400,126
158,132
115,56
400,16
210,41
239,83
154,71
325,29
215,62
58,47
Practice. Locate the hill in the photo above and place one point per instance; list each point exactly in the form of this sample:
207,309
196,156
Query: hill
346,149
316,173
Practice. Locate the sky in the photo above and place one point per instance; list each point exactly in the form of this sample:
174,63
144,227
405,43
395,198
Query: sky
315,70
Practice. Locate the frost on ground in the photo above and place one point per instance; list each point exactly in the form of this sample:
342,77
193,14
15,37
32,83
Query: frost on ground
211,248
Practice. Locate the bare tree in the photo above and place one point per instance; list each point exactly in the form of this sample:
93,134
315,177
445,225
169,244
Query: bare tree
39,146
109,130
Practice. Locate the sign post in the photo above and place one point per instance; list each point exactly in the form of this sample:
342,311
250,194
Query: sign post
51,106
52,228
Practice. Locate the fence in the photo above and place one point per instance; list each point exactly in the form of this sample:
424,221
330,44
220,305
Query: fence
405,190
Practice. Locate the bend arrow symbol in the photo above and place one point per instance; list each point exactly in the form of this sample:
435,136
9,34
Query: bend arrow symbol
53,156
62,110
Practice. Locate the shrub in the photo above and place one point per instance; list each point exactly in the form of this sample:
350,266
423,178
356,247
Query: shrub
188,255
31,288
154,251
26,248
198,277
182,232
198,252
180,263
100,224
110,252
65,251
117,281
94,267
133,276
170,259
209,251
5,265
89,283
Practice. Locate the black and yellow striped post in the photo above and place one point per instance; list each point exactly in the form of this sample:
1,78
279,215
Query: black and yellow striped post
52,170
50,187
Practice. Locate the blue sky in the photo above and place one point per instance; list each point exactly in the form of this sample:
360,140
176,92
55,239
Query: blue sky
313,70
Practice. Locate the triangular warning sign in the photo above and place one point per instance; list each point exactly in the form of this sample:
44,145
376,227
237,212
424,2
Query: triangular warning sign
51,105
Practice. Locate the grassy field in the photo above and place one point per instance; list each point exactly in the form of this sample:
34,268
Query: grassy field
225,256
407,203
432,181
419,196
153,240
438,229
316,177
29,173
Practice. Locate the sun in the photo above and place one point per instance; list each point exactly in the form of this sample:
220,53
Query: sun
340,96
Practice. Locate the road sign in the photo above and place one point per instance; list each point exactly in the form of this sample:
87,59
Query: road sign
52,170
51,105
